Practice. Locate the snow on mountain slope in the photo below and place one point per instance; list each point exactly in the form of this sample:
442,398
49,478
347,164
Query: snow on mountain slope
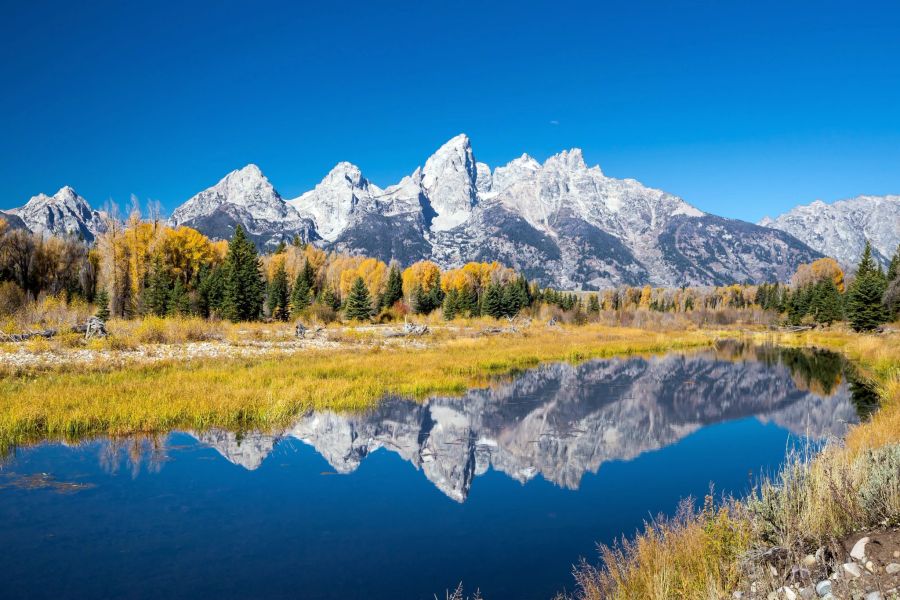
840,229
335,200
244,196
65,213
561,222
449,180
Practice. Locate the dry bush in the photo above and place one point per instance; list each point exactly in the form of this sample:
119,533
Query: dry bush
814,501
692,555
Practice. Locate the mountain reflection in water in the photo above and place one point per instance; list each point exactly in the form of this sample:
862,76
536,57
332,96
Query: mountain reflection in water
560,420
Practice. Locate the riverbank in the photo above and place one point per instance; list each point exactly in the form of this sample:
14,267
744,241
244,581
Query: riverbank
348,369
795,531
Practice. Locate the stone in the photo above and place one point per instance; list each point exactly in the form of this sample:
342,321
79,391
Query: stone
809,561
874,596
808,593
859,549
852,569
737,595
870,566
789,593
892,568
773,571
823,587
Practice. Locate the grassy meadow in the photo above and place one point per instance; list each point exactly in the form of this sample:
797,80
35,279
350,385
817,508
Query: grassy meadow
266,392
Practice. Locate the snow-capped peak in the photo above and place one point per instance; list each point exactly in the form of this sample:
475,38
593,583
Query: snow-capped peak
246,188
449,181
333,201
568,159
840,229
65,213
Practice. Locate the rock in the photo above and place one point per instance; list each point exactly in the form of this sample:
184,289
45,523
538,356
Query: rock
892,569
870,566
737,595
852,569
859,549
896,553
809,561
773,571
807,593
874,596
823,587
788,593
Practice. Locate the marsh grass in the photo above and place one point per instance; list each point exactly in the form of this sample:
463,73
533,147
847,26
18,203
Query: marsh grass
813,501
267,392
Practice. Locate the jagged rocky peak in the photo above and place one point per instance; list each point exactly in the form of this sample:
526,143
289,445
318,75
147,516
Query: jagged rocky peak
333,201
246,197
65,213
518,169
840,229
449,180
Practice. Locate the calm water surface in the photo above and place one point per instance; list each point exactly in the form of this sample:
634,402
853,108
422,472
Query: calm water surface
503,489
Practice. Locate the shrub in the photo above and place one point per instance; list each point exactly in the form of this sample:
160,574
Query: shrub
11,298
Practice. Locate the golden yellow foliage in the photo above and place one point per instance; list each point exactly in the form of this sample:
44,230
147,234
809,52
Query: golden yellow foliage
424,274
185,250
818,270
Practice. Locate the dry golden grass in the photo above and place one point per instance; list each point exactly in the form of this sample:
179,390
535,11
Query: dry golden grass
692,555
268,392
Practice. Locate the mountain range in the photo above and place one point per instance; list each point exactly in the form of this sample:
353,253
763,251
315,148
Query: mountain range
560,222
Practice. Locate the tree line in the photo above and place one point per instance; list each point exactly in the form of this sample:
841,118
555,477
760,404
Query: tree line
142,267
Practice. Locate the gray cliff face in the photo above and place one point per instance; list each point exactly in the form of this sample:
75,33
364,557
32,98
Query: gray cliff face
561,421
561,222
840,229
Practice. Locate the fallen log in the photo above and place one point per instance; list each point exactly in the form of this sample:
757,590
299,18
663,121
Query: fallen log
92,328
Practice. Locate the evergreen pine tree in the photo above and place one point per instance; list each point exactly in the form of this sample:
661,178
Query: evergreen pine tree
243,284
420,304
329,298
210,290
102,302
158,290
827,305
179,300
894,268
865,310
594,304
435,295
301,295
393,293
278,300
491,302
359,304
280,248
451,304
309,275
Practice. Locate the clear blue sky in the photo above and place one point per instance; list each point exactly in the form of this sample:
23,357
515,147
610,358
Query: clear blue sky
742,108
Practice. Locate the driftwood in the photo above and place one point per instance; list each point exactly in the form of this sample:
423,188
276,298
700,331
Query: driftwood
301,331
796,328
409,330
92,328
